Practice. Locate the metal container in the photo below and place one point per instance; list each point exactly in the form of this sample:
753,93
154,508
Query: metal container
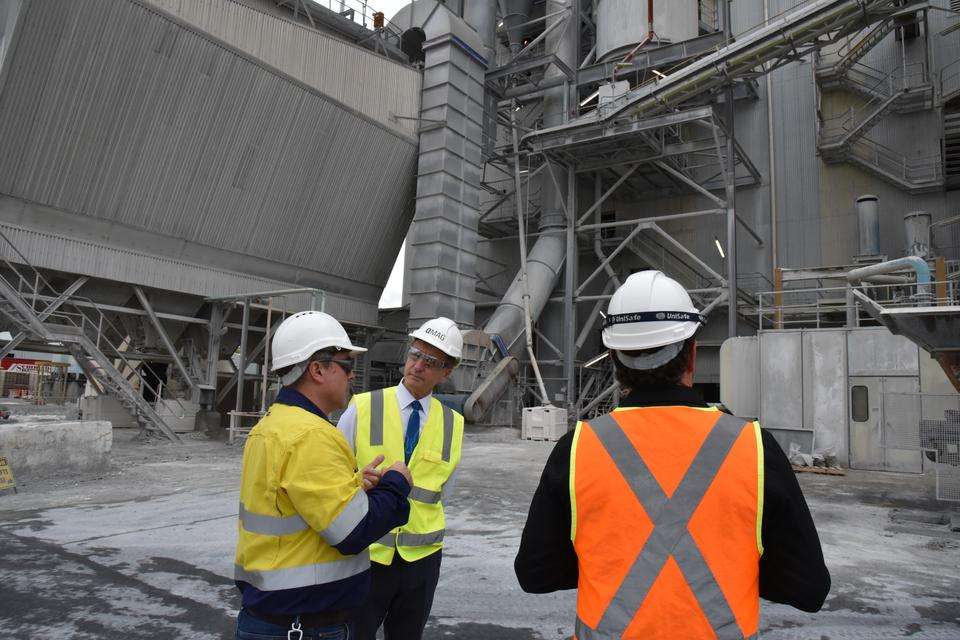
868,221
623,24
916,227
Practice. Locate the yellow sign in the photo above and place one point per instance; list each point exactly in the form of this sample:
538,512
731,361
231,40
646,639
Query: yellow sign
6,475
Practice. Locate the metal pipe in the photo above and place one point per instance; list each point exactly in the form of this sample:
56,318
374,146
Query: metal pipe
522,229
856,276
570,281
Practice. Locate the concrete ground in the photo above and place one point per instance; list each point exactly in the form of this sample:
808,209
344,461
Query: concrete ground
147,547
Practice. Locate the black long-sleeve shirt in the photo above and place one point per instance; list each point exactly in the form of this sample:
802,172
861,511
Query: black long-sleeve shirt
792,570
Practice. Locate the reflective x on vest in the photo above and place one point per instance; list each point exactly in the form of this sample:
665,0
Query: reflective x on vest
670,536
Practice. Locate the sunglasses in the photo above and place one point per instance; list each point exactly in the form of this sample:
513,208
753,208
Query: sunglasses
346,365
431,362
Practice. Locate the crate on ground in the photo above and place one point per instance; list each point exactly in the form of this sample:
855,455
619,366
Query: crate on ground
543,423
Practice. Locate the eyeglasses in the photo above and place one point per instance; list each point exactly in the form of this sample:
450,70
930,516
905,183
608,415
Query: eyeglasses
431,362
346,365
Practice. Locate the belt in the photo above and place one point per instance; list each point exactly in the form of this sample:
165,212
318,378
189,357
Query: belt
307,620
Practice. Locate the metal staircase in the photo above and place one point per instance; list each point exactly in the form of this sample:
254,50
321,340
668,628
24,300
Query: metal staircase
836,65
843,138
81,331
913,175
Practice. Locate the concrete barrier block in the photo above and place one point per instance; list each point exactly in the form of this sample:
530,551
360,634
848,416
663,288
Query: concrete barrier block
48,449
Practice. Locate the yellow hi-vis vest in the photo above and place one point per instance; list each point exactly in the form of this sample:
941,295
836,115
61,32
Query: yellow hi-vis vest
300,494
380,430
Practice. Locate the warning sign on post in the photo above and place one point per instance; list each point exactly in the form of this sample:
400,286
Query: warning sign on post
6,475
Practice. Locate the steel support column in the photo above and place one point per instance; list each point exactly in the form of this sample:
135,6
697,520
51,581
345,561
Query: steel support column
730,178
570,281
167,342
244,330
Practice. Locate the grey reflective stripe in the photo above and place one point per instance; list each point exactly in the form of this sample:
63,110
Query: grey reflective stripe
271,525
305,576
670,535
419,539
389,540
447,431
583,632
348,519
425,495
376,418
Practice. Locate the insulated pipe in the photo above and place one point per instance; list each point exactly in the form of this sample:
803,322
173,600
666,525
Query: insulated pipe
507,322
855,277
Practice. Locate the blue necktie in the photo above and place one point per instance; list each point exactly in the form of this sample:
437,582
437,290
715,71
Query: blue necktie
413,430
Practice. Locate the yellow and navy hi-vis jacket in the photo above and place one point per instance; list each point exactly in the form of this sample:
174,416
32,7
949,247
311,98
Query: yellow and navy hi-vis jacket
437,454
305,521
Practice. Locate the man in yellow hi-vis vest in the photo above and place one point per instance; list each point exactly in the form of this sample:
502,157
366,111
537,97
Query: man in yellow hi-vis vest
307,514
406,423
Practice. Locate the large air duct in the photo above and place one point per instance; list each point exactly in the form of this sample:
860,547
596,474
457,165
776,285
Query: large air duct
868,224
482,16
443,237
916,227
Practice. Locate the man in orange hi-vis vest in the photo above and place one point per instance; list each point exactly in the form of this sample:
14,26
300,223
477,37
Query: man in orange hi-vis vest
671,518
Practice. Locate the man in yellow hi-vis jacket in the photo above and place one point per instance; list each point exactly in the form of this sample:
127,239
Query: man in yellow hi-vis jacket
407,423
306,521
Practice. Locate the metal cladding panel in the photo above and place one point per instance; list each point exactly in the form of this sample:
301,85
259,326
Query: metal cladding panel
70,255
373,85
825,390
781,379
877,352
116,112
739,376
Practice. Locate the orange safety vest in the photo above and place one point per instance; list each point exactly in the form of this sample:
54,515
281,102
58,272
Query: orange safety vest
666,506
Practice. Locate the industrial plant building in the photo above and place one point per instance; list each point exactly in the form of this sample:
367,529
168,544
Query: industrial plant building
178,176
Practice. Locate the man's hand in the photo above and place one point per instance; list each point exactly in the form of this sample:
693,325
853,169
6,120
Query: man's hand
401,468
371,477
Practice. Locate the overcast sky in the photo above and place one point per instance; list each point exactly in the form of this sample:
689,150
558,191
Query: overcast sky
393,292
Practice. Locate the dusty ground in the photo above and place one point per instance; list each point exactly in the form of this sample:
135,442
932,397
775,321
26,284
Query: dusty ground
147,546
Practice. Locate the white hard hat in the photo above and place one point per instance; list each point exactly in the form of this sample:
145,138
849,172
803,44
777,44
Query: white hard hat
442,333
649,311
303,334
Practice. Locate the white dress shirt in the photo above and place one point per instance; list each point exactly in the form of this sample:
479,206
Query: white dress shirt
348,424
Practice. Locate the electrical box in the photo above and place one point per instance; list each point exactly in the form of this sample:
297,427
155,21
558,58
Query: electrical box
543,423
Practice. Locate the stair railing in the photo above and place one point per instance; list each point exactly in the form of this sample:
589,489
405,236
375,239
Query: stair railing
89,317
916,171
950,80
883,86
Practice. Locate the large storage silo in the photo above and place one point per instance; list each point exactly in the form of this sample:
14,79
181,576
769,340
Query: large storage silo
623,24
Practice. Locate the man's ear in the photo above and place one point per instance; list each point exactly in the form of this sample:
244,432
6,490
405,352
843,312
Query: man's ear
692,362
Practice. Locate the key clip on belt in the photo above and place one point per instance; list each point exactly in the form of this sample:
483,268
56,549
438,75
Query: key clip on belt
296,631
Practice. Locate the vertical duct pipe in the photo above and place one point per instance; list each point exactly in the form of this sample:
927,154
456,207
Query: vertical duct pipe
868,225
443,238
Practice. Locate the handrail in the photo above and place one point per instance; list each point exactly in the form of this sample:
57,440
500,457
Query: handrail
86,324
887,87
950,78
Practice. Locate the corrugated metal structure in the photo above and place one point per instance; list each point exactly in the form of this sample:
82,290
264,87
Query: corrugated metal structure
201,146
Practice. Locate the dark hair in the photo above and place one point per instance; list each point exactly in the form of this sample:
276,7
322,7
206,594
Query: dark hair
668,374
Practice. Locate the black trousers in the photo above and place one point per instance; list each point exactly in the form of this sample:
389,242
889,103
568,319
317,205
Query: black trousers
400,598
